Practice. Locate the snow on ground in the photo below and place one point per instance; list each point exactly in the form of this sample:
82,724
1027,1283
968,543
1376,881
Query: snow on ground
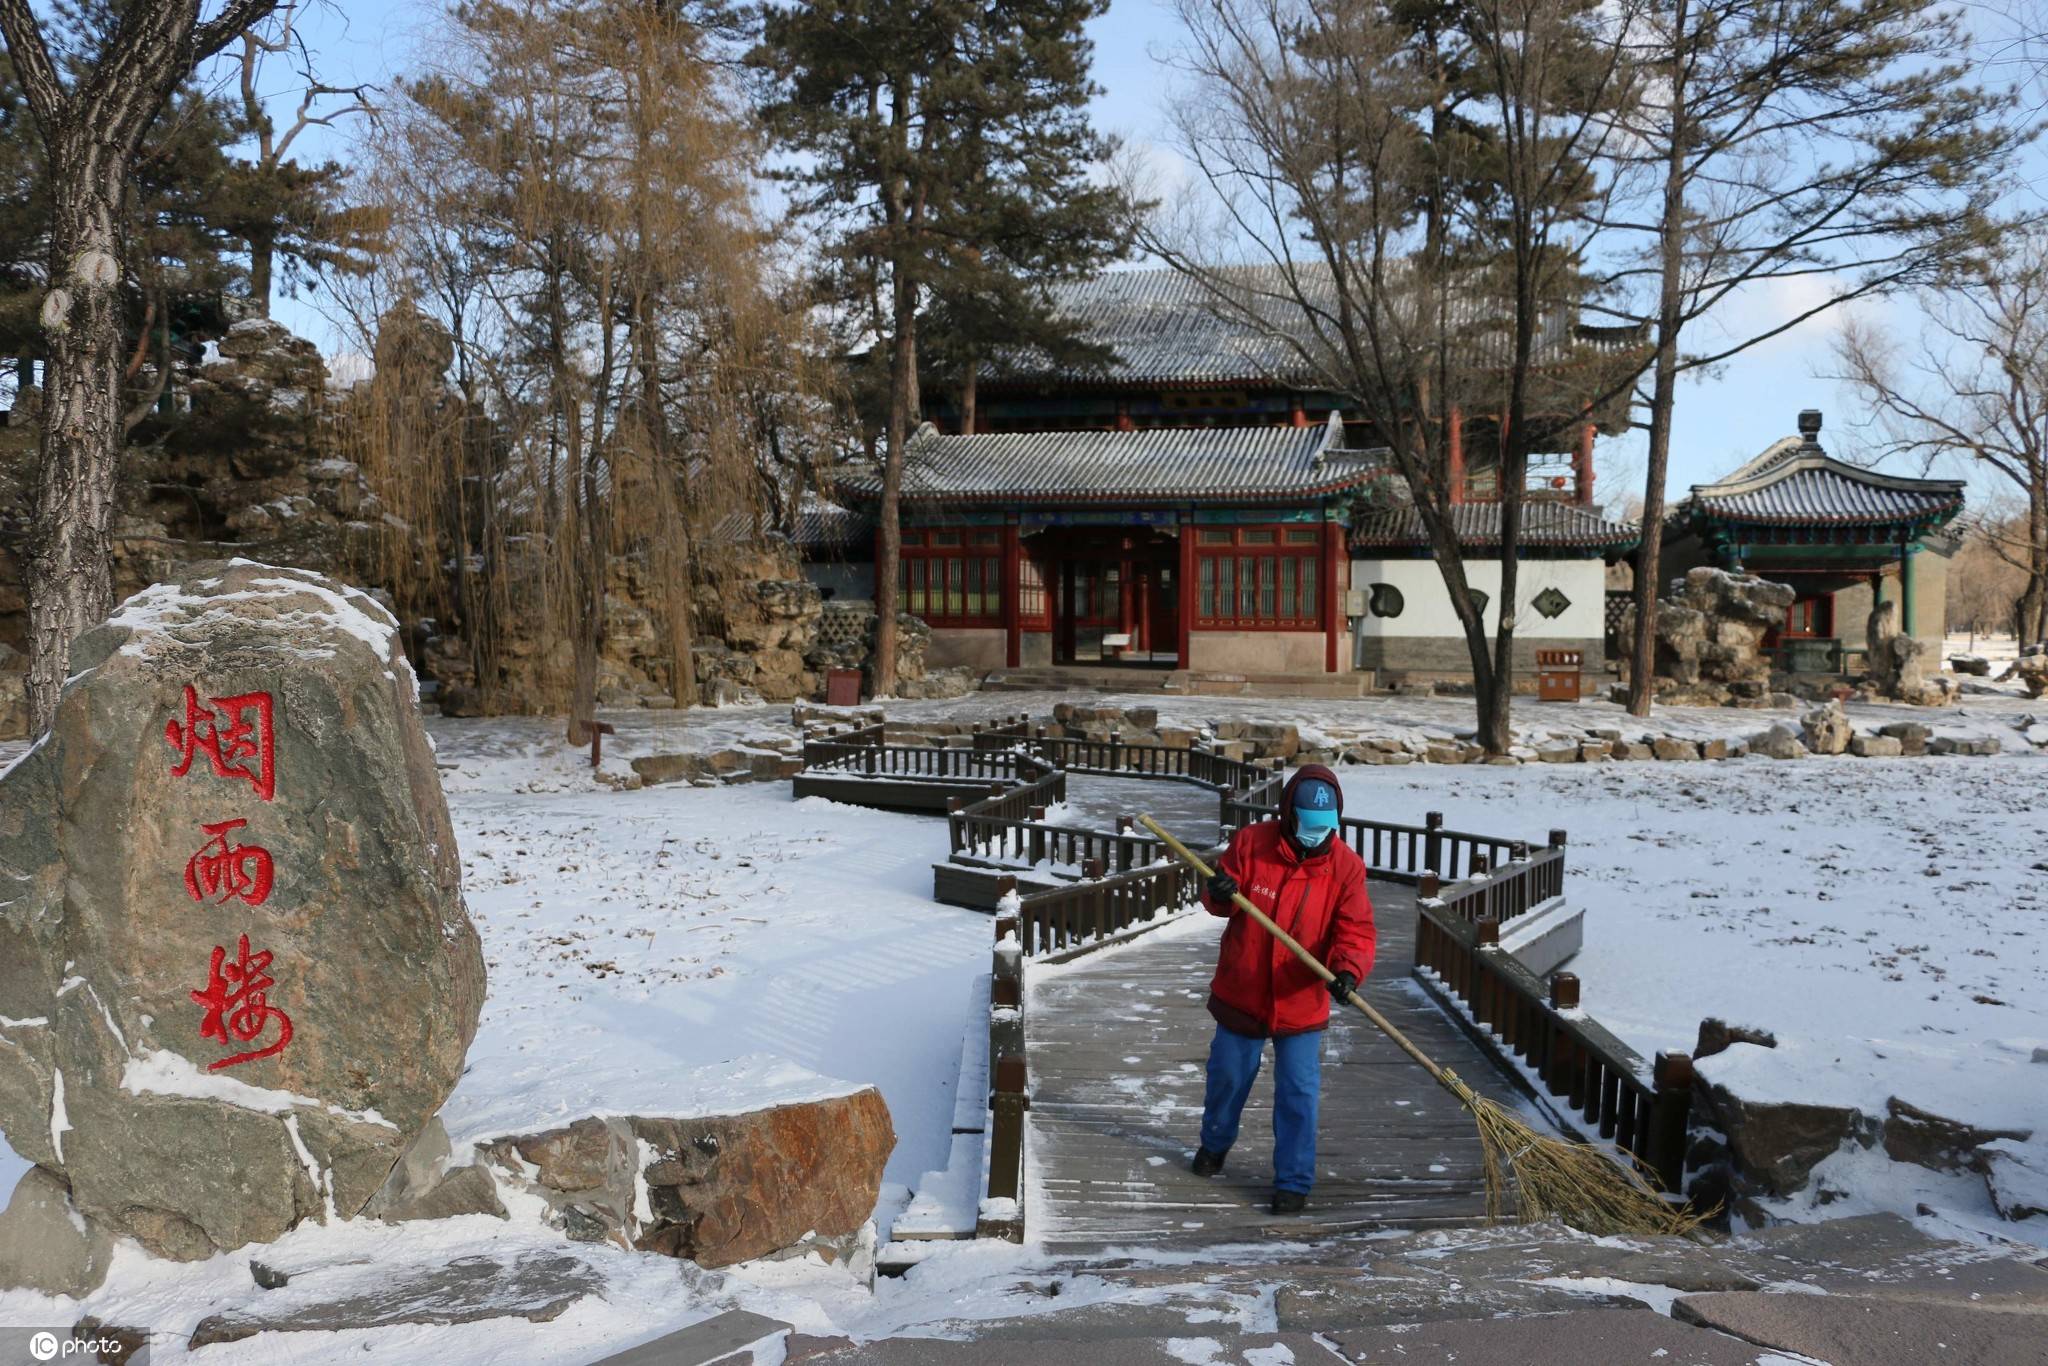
1887,920
681,948
671,950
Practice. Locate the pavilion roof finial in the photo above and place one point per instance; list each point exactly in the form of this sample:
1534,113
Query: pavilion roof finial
1809,425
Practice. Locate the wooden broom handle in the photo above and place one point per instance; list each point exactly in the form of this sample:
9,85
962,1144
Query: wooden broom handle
1448,1080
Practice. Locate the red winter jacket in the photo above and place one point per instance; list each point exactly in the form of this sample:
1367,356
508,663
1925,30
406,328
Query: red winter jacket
1260,987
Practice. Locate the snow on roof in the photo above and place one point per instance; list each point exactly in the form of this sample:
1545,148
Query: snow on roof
1544,523
1213,464
1795,481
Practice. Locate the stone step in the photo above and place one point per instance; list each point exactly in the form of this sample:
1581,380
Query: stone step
718,1338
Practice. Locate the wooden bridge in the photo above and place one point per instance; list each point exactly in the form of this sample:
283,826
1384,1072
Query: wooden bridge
1096,1055
1117,1043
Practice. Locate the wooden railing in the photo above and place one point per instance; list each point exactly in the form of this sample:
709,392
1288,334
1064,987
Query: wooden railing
1507,892
1005,734
910,761
839,746
1103,905
1606,1086
1397,853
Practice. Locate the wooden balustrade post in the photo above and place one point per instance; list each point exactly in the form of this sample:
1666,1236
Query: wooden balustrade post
1432,842
1125,825
1564,991
1670,1120
1518,852
1091,870
1036,847
1009,1098
1431,887
1481,865
1557,838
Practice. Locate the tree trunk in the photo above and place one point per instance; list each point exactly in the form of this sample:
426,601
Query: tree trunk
70,568
969,384
2033,608
1664,390
902,411
262,258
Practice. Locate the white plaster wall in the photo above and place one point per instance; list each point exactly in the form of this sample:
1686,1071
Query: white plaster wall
1428,604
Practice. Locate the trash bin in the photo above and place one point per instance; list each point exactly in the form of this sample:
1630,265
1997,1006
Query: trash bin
842,687
1558,675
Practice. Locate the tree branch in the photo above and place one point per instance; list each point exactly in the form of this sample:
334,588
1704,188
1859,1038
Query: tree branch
32,65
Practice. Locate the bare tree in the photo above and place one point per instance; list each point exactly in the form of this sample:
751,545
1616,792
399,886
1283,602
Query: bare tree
91,128
275,179
1988,578
579,231
1413,264
1810,141
1974,385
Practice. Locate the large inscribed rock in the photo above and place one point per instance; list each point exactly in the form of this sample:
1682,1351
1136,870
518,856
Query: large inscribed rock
236,974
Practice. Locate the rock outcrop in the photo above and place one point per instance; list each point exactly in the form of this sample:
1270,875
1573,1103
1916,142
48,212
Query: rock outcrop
236,974
1900,670
1710,630
1826,729
715,1189
2031,669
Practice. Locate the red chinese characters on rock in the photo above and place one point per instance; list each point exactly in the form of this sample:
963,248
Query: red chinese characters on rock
237,737
225,870
237,1005
231,732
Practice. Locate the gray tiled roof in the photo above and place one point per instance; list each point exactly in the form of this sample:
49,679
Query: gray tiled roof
1214,465
1796,482
825,527
1169,329
1545,525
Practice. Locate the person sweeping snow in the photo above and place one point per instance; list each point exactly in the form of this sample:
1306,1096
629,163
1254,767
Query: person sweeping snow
1297,870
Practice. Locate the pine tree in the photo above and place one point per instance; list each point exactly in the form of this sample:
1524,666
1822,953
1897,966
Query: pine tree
92,119
943,148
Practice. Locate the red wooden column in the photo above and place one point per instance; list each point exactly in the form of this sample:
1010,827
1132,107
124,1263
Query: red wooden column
1013,591
1582,466
1189,592
1333,545
1456,473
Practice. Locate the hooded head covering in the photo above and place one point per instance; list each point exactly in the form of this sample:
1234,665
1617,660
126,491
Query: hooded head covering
1311,806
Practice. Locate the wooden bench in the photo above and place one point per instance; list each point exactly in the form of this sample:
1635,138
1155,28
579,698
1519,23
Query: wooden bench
1558,675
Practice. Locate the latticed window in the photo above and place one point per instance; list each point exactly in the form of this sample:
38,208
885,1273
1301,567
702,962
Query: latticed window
1258,578
953,577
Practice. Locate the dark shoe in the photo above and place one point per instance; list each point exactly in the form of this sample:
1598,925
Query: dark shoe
1289,1202
1206,1163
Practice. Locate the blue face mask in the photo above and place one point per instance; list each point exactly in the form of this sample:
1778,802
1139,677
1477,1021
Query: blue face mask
1310,830
1315,813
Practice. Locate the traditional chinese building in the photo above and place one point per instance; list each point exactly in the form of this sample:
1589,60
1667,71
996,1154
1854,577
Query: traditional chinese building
1846,538
1202,505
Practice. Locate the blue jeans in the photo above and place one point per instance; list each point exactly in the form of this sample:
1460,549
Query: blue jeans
1297,1086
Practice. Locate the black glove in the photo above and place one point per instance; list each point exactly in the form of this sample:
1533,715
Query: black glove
1342,985
1222,887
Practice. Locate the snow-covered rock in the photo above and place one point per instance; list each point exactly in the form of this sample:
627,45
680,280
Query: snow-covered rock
236,972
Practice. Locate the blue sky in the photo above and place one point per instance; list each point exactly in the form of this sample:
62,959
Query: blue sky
1723,420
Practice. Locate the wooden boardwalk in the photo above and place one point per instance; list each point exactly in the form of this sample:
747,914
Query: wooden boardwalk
1118,1042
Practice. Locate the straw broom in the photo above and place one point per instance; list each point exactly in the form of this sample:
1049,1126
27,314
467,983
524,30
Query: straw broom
1547,1177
